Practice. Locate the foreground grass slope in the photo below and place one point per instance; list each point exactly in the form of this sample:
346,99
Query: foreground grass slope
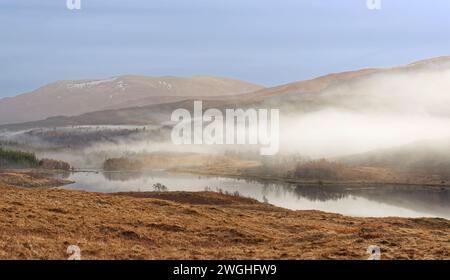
42,223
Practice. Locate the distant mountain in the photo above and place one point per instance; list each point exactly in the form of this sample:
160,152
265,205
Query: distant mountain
419,88
155,114
382,89
70,98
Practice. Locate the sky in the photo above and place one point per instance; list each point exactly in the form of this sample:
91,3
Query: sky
269,42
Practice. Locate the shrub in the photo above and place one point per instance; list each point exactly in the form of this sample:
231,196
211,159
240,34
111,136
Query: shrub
320,169
53,164
116,164
158,187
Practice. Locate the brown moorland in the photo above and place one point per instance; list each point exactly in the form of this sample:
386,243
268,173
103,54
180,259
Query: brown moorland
39,223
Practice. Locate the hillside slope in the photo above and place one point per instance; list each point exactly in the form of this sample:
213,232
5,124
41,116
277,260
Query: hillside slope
391,90
69,98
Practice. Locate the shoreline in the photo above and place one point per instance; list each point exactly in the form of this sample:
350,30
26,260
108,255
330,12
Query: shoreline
272,179
277,179
303,181
42,179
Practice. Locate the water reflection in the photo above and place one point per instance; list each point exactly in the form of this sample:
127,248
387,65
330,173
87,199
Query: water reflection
320,193
405,201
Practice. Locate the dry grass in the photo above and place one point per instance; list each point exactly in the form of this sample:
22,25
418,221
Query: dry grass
180,162
322,172
41,223
31,178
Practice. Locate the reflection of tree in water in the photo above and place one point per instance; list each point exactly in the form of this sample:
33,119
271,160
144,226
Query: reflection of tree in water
125,176
63,175
320,193
421,198
418,198
314,192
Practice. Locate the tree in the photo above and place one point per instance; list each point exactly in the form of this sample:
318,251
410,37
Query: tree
158,187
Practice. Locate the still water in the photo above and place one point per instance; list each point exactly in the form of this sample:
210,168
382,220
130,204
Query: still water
367,201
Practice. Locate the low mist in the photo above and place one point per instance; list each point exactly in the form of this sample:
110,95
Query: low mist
376,112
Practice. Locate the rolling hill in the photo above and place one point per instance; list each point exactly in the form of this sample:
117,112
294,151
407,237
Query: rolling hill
419,87
70,98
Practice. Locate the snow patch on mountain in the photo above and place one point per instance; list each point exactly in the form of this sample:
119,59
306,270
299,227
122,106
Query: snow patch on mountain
90,84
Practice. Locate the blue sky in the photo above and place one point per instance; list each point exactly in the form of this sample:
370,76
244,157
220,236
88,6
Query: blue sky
268,42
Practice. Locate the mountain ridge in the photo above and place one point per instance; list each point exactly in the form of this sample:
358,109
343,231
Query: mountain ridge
75,97
300,95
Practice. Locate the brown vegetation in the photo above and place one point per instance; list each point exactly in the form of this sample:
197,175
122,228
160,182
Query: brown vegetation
54,164
30,179
179,162
42,223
